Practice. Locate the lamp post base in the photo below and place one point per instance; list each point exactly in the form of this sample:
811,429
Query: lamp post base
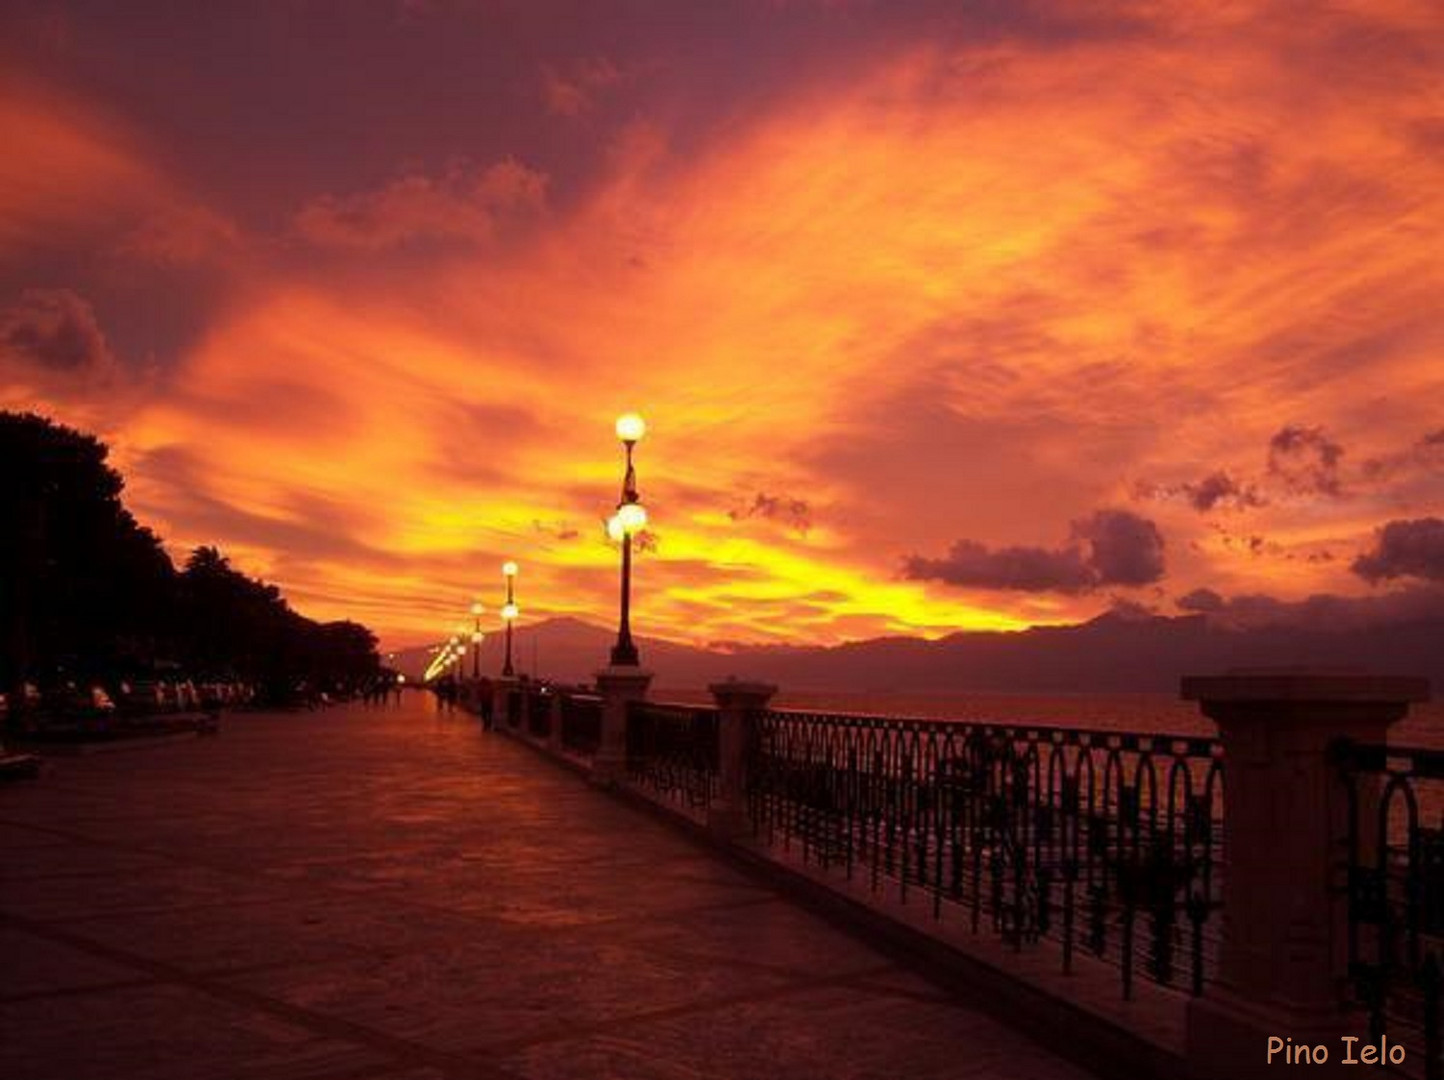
619,685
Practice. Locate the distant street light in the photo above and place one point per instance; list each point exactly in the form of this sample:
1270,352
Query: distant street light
509,612
476,638
630,518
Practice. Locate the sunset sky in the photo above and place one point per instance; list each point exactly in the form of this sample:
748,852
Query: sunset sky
943,315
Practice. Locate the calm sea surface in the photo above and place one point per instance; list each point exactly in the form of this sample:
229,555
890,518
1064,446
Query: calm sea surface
1119,712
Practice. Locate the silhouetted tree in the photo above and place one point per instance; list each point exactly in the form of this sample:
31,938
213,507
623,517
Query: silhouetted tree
235,625
82,585
85,591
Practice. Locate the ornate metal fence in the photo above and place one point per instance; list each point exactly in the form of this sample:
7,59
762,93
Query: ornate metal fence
672,750
1394,865
581,723
1108,843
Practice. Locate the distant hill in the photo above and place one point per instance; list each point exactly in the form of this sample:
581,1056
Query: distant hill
1114,652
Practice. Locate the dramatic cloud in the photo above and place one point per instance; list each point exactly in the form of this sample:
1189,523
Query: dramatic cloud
54,331
946,270
794,513
462,204
1405,549
1112,547
1220,488
1123,548
1027,569
65,174
1215,491
1422,460
557,530
1201,600
183,235
1322,611
571,90
1306,461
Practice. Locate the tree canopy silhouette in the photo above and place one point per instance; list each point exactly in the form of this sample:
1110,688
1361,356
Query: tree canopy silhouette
88,592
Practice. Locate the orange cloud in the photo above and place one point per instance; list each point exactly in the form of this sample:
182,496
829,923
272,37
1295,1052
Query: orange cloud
464,203
64,172
570,90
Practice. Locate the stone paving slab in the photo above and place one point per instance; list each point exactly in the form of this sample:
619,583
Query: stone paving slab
37,967
164,1033
392,893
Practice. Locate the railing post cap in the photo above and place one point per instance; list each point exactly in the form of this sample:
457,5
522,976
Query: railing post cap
1300,684
735,689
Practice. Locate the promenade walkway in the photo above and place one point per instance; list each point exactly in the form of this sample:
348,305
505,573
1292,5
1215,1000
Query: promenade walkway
392,893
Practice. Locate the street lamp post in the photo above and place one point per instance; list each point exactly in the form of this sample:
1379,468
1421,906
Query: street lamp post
476,639
509,612
629,519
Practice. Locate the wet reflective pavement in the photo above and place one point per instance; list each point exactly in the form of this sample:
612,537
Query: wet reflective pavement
391,893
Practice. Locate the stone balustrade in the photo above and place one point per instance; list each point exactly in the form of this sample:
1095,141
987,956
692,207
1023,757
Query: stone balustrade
1110,848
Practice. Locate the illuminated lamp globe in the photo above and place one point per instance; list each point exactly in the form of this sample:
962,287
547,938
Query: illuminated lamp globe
614,528
631,518
630,427
400,679
477,608
510,612
453,641
508,569
477,637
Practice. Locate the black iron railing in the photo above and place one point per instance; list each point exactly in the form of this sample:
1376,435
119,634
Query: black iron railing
1109,844
672,752
581,723
1394,873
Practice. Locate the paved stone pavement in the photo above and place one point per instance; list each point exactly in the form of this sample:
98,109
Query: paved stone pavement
392,893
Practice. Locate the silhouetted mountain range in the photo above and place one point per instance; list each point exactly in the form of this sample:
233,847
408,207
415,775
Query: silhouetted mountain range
1117,651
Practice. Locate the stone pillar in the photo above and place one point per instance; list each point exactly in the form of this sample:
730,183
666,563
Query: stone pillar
501,689
1281,955
522,697
618,686
554,720
738,704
